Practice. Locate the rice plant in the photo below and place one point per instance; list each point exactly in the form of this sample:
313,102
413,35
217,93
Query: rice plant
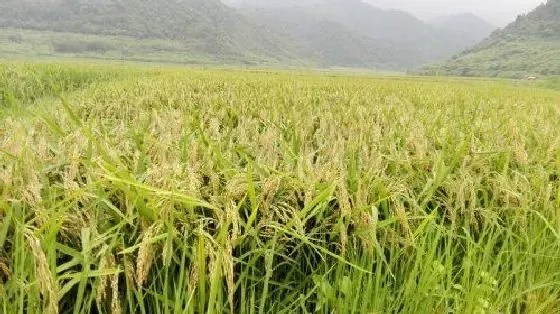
128,189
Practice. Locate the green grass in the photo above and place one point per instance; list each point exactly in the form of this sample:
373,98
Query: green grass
142,190
515,59
48,45
551,83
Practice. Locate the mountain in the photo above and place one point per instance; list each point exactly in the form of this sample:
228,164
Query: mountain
346,33
472,27
528,46
332,41
208,26
273,3
393,36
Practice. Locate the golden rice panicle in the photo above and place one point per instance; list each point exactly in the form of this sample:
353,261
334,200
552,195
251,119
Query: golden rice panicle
5,272
102,286
146,254
115,297
49,286
228,269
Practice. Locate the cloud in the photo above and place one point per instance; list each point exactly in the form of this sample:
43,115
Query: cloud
500,12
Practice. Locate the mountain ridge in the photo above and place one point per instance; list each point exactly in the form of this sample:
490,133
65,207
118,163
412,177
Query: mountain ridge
407,39
528,46
324,33
466,23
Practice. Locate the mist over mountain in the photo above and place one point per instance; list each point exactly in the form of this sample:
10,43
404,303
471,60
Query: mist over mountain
466,24
528,46
208,26
497,12
324,33
275,3
397,36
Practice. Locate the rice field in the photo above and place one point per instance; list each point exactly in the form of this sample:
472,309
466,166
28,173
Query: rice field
134,189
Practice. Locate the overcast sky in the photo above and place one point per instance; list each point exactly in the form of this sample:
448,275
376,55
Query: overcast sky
499,12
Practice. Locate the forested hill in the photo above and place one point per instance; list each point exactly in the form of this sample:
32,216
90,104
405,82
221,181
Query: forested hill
392,36
471,27
528,46
320,33
208,26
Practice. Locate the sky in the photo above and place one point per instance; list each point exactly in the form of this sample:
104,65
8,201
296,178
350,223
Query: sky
498,12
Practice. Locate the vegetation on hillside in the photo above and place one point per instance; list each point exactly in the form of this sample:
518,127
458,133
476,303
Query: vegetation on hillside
528,46
390,38
205,26
131,190
318,33
19,44
333,43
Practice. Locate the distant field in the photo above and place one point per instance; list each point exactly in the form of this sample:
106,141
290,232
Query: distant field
17,44
130,189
